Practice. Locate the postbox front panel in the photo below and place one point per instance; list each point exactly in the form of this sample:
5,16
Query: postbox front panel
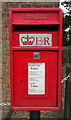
35,58
43,78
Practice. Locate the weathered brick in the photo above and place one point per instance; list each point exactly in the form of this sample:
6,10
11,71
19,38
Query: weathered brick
4,30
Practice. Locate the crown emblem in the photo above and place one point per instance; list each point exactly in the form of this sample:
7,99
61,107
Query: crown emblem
27,40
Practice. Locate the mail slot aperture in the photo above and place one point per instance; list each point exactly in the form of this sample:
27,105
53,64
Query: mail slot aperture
45,35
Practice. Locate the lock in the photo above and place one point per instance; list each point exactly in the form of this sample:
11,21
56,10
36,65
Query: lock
36,55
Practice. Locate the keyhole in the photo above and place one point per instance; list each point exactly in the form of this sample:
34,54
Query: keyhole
21,81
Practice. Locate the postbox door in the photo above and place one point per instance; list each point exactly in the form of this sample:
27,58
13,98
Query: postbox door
47,60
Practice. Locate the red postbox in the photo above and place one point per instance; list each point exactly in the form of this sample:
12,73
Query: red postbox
35,58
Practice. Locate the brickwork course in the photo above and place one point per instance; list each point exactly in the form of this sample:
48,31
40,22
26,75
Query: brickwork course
6,111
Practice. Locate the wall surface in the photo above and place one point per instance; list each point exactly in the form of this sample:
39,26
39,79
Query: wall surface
0,59
6,111
30,1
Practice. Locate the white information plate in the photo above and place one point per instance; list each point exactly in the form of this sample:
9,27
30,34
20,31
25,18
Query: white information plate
36,78
35,39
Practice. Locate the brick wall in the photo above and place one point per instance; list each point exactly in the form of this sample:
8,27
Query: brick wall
6,59
0,59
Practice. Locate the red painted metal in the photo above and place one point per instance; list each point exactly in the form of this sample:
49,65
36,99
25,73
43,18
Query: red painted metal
35,21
